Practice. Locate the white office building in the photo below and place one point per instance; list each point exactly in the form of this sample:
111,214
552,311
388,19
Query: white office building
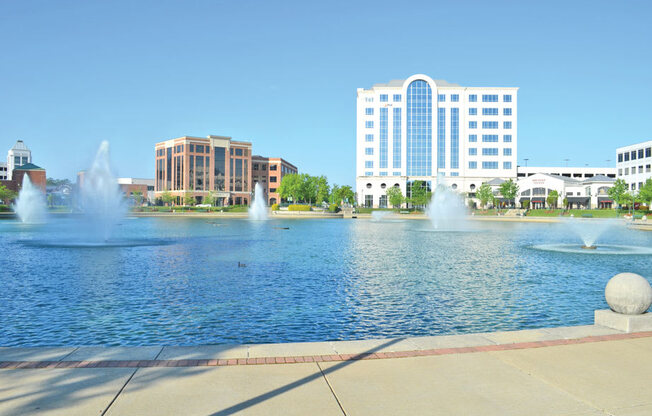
17,156
419,128
634,164
578,173
3,171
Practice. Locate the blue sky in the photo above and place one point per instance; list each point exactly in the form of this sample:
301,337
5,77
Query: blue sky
284,74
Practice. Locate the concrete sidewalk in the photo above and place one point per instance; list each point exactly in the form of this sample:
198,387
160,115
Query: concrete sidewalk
587,370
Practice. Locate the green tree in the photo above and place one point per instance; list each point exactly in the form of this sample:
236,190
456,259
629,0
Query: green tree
6,194
323,189
419,195
189,200
346,194
552,198
138,197
565,202
290,187
618,192
525,204
334,194
308,188
394,196
485,194
509,190
167,198
209,199
645,193
50,200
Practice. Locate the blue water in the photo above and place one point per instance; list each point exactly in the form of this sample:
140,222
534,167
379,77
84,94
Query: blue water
177,280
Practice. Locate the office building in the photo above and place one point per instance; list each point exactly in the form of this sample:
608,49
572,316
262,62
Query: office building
634,164
17,156
269,171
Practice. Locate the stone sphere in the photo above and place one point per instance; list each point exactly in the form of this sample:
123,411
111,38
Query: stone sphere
628,293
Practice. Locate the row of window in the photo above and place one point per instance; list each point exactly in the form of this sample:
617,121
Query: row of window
490,151
634,154
490,138
640,170
454,98
490,165
490,125
382,173
369,111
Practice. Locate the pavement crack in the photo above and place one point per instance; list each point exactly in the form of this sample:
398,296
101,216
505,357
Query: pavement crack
337,399
119,392
68,355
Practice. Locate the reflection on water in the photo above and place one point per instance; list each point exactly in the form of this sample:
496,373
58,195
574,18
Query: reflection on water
178,281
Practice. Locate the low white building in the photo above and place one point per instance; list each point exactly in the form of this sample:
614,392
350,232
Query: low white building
634,164
588,193
569,172
17,156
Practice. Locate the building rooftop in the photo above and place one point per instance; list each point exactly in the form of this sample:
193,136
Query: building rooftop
397,83
20,145
29,166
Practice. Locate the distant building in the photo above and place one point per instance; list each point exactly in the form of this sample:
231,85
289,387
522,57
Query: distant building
421,129
634,164
144,186
35,173
17,156
269,171
586,193
198,166
3,171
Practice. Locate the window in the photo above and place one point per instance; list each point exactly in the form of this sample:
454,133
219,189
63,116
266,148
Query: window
507,165
648,152
396,174
633,154
473,138
626,156
455,98
620,172
473,111
369,151
383,174
507,124
369,111
418,106
272,167
238,152
441,139
489,165
455,138
489,138
490,151
272,179
473,165
647,168
640,153
473,151
489,111
489,98
507,111
368,174
473,98
396,128
369,164
441,98
383,98
640,169
626,171
620,157
272,190
368,137
507,138
473,124
507,151
396,98
192,147
489,124
255,165
507,98
369,99
383,138
369,124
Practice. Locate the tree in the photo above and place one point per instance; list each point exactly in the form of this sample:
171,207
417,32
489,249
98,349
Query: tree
525,204
552,198
6,194
138,197
395,196
57,182
323,189
645,193
509,190
290,187
419,194
345,193
334,194
50,200
209,199
189,200
485,194
565,202
308,188
618,192
167,198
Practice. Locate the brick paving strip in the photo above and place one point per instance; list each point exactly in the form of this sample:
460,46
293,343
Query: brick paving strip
314,358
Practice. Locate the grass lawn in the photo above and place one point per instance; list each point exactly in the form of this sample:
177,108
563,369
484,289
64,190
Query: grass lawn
578,213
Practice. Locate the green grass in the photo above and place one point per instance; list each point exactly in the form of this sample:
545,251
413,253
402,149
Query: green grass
488,212
362,210
594,213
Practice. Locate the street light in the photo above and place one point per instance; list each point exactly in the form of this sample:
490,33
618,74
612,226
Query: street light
526,159
566,160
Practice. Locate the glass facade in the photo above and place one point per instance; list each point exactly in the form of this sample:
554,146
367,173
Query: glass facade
419,128
396,137
219,171
382,151
441,138
455,138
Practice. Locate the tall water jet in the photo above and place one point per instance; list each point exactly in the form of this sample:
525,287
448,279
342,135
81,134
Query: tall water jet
447,210
589,230
258,209
101,198
30,205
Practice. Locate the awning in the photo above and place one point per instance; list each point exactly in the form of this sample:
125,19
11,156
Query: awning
538,200
578,199
605,199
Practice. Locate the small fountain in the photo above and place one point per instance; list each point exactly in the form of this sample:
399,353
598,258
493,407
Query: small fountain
447,210
377,216
30,205
101,198
589,231
258,210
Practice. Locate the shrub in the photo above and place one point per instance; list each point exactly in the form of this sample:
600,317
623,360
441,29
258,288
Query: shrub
299,208
274,207
333,208
4,208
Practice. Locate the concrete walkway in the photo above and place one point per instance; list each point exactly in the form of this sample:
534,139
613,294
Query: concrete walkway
585,370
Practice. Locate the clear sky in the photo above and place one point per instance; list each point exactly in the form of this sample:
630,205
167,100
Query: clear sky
284,74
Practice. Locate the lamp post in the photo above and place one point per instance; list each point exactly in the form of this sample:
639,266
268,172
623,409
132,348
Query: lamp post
526,159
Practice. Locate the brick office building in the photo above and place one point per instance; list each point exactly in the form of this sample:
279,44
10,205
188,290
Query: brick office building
269,171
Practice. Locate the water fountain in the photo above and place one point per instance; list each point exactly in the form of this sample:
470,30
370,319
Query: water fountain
377,216
101,199
589,231
30,205
447,210
258,210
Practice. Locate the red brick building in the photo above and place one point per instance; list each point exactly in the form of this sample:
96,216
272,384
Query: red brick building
269,171
35,173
